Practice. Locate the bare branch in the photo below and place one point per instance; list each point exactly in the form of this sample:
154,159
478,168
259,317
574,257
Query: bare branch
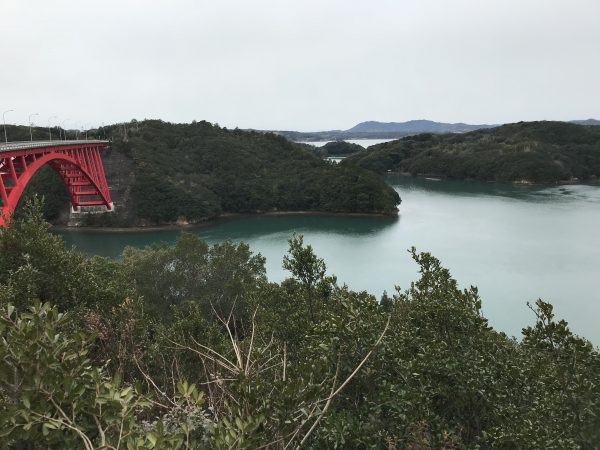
251,342
335,392
151,381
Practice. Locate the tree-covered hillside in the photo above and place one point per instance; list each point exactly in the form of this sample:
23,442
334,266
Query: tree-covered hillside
191,347
533,151
341,148
162,172
335,148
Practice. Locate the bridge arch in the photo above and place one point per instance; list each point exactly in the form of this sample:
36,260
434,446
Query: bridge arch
78,163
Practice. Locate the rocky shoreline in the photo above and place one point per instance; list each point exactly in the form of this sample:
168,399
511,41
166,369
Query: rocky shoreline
184,225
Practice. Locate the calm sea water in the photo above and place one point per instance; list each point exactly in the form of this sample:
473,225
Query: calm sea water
366,143
516,244
362,142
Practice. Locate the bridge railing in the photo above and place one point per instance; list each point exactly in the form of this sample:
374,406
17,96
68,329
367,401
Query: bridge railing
23,145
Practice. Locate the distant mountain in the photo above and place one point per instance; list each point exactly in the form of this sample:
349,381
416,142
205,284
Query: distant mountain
382,130
586,122
414,126
394,130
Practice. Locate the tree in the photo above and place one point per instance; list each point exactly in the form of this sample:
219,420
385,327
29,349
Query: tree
305,267
302,262
52,396
221,277
36,265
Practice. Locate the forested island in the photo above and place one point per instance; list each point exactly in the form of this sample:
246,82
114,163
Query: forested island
528,152
338,148
190,346
163,173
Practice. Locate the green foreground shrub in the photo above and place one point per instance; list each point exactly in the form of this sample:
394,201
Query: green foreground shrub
192,347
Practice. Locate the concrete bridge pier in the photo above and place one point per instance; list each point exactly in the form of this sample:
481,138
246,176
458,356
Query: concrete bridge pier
78,214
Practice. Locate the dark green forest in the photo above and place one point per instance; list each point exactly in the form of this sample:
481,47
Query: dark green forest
161,172
538,152
339,148
190,346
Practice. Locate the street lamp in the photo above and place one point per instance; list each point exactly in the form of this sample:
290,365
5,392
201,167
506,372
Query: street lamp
87,127
4,122
49,129
63,127
31,123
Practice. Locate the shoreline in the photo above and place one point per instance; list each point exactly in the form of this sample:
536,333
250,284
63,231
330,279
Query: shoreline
213,220
231,216
433,177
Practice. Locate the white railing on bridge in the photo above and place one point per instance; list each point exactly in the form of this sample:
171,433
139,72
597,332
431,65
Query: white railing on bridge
24,145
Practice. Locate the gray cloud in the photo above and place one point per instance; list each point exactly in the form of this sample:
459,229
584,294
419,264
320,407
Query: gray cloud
307,65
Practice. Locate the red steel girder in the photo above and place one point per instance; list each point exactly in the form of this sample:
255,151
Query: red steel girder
78,163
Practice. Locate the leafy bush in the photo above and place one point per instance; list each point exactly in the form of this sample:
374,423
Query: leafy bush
208,354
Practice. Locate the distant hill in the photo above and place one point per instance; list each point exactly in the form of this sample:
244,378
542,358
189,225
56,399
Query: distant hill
381,130
586,122
393,130
414,126
540,152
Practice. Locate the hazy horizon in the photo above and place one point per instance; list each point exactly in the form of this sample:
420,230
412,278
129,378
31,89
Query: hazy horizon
8,122
304,66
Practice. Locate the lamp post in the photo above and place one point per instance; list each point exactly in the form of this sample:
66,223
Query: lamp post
63,127
87,127
4,122
49,129
31,123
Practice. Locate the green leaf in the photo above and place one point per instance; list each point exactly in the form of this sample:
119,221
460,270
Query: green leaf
152,438
239,423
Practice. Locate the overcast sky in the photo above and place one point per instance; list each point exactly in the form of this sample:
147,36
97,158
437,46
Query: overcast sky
302,65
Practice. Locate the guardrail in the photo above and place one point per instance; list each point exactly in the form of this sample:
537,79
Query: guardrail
24,145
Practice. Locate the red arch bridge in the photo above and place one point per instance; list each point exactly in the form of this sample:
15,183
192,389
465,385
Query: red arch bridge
77,162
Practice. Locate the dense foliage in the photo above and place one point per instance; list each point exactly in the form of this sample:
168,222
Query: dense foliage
340,148
201,170
47,183
192,347
191,172
531,151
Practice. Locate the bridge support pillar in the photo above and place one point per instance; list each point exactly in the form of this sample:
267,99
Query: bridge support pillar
82,215
93,209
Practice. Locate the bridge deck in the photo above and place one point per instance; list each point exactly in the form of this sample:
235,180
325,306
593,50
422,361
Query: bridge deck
26,145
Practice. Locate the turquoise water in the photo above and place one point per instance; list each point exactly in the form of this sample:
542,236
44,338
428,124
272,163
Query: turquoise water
516,244
362,142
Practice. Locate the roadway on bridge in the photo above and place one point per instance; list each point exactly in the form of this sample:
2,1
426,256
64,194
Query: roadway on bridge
25,145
